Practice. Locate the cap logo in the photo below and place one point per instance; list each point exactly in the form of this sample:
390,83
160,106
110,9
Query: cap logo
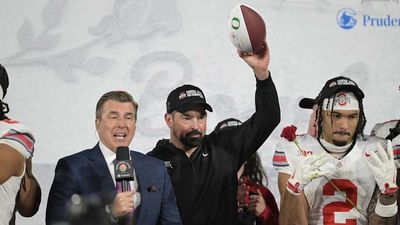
345,82
342,82
192,93
233,123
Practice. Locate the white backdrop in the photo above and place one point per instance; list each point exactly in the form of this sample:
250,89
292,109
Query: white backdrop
63,55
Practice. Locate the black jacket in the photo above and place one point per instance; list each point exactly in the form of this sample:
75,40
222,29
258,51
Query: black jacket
205,184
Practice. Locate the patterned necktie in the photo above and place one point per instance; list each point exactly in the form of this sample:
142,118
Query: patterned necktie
119,186
127,220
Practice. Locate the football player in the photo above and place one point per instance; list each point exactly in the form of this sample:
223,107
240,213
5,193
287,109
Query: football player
335,177
19,190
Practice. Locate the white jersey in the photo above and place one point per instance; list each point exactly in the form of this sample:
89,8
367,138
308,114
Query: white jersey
8,193
17,136
351,177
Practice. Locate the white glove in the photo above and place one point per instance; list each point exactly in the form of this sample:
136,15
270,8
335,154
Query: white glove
381,163
309,168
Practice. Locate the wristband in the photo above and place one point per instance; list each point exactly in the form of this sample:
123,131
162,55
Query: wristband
386,210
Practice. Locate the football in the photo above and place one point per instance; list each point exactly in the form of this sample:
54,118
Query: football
247,29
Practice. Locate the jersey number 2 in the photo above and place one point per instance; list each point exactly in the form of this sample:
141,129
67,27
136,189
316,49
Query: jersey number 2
347,188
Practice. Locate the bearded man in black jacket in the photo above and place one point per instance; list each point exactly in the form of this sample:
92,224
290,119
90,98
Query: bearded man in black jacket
203,167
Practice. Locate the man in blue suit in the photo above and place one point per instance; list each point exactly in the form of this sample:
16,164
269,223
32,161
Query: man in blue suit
91,172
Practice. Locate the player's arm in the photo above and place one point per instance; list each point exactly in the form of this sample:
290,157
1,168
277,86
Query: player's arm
282,182
294,208
11,163
30,193
386,203
383,206
308,169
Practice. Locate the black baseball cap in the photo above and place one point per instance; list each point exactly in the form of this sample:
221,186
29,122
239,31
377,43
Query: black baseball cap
231,122
184,97
4,82
331,87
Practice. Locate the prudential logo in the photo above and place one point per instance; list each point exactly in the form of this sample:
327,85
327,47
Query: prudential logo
346,18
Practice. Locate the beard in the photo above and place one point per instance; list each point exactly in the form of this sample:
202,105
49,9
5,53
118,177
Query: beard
189,141
339,142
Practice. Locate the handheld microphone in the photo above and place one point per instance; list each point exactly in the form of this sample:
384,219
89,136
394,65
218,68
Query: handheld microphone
123,168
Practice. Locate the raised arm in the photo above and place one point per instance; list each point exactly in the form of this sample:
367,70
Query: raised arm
247,138
383,206
294,207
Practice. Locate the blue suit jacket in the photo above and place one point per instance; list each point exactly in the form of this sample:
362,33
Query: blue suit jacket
86,173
